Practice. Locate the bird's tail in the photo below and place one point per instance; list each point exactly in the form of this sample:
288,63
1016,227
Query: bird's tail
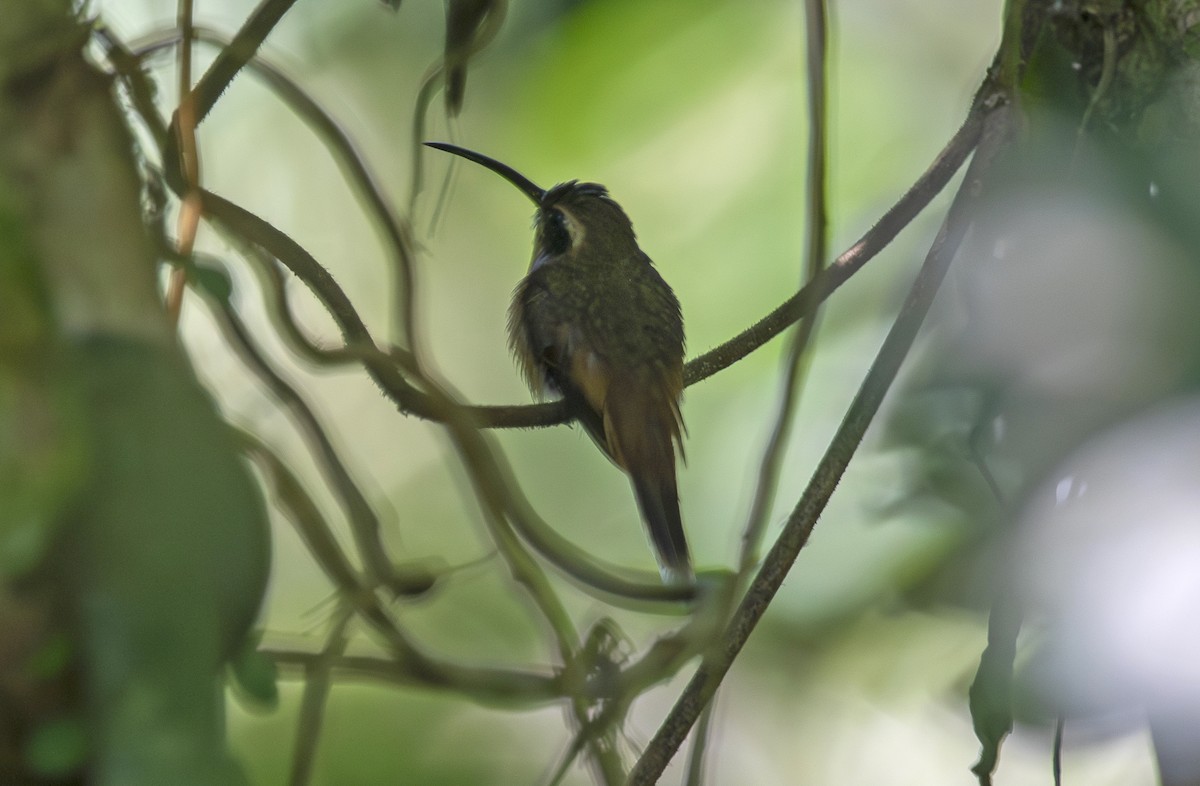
638,430
658,501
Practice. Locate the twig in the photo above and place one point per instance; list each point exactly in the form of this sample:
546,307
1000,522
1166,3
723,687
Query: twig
694,776
240,51
485,685
128,67
814,260
317,681
299,508
900,215
1108,69
435,77
1056,757
189,213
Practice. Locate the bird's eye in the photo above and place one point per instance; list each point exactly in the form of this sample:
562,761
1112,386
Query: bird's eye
556,238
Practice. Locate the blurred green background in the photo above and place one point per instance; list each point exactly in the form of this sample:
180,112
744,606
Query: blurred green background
692,113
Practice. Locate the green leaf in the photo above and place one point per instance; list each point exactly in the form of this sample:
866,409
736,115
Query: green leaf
166,566
255,677
57,748
213,279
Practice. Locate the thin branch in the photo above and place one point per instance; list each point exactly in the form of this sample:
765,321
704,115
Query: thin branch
778,562
1056,758
189,213
435,78
277,306
128,67
814,260
317,682
508,688
298,507
694,776
900,215
254,231
240,51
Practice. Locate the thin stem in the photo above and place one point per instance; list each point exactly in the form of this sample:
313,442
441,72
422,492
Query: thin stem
483,684
298,507
482,33
915,199
240,51
189,213
814,260
1108,70
1009,54
141,91
694,776
317,682
1056,760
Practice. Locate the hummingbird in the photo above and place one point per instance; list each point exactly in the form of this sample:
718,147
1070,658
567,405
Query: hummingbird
594,322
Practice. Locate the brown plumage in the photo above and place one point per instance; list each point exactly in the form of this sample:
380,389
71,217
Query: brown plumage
595,322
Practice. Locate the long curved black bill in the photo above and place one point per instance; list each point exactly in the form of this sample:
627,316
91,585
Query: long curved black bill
531,190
